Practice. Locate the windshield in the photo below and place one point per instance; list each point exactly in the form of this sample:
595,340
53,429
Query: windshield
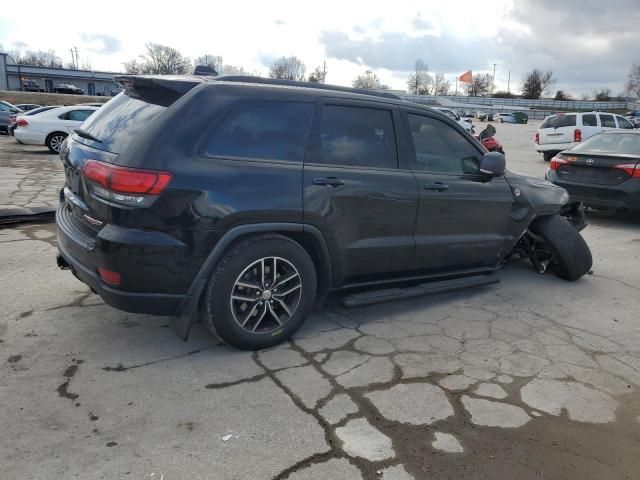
557,121
120,121
622,143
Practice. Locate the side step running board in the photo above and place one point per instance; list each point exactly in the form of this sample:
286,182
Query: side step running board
386,295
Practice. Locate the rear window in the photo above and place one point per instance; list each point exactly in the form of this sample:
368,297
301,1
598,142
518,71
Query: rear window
589,120
270,130
557,121
622,143
119,122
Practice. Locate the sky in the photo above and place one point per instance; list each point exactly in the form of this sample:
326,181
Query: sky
588,44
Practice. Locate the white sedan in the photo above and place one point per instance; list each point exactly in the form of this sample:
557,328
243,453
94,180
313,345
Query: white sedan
50,128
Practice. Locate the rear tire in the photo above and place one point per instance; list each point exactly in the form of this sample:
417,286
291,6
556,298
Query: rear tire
548,156
269,315
572,255
54,141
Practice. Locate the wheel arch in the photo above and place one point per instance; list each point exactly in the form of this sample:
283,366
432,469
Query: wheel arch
307,236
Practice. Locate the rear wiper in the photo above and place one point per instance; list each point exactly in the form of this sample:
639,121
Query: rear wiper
87,135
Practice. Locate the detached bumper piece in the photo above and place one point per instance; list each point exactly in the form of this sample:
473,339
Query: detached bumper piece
575,212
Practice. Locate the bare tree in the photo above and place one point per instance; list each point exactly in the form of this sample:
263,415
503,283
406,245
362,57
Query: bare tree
319,75
367,80
480,86
602,95
420,82
442,85
211,61
562,95
536,82
159,60
632,87
288,68
38,58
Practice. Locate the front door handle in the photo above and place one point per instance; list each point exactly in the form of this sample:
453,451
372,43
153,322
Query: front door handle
437,186
328,181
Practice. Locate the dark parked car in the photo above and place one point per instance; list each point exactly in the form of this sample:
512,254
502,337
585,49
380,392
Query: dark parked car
249,199
6,111
602,171
68,88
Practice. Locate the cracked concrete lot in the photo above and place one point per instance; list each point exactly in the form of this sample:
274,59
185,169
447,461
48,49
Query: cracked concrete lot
533,378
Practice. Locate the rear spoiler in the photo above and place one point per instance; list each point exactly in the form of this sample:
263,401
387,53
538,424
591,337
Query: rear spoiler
158,89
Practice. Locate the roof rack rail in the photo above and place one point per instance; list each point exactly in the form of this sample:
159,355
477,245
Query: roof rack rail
293,83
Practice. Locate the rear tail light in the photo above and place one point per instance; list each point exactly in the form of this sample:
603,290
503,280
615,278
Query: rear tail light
537,137
22,123
109,276
129,185
631,168
557,161
577,135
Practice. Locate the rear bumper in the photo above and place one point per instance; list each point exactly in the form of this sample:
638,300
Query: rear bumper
554,147
623,195
80,257
29,137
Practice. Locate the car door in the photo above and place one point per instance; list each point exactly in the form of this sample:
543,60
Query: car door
74,118
354,192
589,125
624,123
607,121
463,216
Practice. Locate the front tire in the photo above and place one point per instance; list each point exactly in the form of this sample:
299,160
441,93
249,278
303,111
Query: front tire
260,293
571,254
54,141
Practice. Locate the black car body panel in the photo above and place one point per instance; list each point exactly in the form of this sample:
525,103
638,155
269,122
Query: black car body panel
361,224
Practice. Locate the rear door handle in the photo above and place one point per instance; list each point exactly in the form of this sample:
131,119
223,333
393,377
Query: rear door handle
437,186
328,181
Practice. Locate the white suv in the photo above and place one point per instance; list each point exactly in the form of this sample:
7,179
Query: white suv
564,130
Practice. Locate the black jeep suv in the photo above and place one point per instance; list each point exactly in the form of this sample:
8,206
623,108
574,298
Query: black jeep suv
247,199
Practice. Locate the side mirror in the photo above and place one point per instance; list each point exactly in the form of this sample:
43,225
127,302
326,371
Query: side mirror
493,164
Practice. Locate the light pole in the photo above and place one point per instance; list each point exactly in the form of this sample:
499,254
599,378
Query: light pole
493,79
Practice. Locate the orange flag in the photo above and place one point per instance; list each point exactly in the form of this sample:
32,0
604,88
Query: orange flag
466,77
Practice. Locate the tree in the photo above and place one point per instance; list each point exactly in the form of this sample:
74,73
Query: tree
442,85
480,86
632,87
502,94
420,81
211,61
159,60
319,75
288,68
37,58
602,95
536,82
367,80
561,95
232,70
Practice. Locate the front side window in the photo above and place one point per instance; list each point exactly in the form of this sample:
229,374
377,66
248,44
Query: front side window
440,148
624,123
263,129
608,121
589,120
357,137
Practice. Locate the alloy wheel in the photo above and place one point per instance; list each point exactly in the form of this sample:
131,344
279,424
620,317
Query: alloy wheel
266,295
56,142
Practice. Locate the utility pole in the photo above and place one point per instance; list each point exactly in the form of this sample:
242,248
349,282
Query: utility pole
74,58
493,79
324,71
508,82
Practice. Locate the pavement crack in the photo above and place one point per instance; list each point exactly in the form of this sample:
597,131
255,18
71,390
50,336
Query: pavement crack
255,378
622,282
122,368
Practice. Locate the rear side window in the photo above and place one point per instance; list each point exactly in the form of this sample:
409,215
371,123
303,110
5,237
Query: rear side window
607,121
78,115
440,148
589,120
624,123
120,121
263,129
557,121
357,137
